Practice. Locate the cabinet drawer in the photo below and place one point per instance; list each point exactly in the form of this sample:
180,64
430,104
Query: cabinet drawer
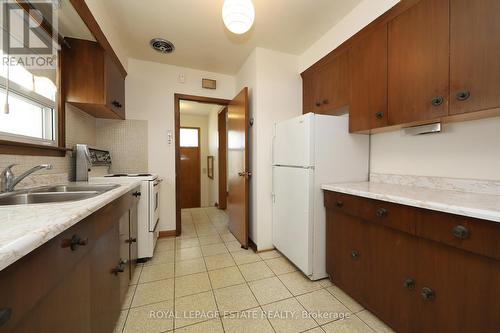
477,236
391,215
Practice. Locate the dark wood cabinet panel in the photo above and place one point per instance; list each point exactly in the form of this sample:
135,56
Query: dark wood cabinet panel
419,63
115,87
134,254
474,55
308,82
368,75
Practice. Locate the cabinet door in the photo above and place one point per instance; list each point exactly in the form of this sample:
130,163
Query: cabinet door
124,227
419,63
105,282
308,91
332,86
474,55
368,73
463,290
115,87
133,238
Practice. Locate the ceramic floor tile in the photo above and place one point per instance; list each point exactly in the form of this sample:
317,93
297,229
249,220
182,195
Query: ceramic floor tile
225,277
266,255
281,265
228,238
234,246
214,249
121,322
245,257
323,307
153,292
235,298
315,330
376,324
183,243
162,257
325,283
248,321
165,244
210,239
349,325
191,284
291,317
187,267
269,290
188,253
127,302
298,283
150,318
157,272
345,299
255,271
136,275
211,326
194,309
219,261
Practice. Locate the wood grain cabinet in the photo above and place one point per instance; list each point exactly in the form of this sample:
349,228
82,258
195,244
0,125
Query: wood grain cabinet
441,275
92,81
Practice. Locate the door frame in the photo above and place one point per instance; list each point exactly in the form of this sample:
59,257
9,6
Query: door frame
199,155
177,123
222,162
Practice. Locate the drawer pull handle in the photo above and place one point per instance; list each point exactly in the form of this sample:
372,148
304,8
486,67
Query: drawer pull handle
381,212
461,232
354,255
428,294
131,240
120,268
136,194
74,242
409,283
5,315
339,204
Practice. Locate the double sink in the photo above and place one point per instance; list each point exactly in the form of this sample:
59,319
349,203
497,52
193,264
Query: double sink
54,194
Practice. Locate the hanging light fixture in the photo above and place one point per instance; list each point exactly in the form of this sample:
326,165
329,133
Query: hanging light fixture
238,15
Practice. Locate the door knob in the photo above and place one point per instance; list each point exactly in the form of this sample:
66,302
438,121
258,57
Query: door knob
428,294
131,240
354,255
461,232
74,242
120,268
381,212
245,174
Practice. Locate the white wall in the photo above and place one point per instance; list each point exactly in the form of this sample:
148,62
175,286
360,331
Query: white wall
150,89
463,150
276,94
190,120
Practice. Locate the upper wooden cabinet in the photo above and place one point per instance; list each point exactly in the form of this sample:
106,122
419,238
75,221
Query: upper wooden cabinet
368,75
419,63
474,55
92,80
327,87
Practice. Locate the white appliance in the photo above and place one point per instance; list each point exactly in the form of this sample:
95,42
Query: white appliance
308,151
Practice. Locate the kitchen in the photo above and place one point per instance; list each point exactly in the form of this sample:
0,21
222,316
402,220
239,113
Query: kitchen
401,226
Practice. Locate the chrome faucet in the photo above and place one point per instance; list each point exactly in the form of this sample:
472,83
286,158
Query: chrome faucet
8,181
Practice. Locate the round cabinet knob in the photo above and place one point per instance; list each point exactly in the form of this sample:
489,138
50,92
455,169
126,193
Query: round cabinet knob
120,268
461,232
379,115
428,294
131,240
437,100
409,283
136,194
463,95
5,314
318,104
355,255
339,204
381,212
74,242
325,101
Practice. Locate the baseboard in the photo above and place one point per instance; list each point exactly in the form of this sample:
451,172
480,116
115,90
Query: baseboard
167,233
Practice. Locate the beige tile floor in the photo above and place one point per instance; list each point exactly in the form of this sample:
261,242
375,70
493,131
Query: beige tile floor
204,281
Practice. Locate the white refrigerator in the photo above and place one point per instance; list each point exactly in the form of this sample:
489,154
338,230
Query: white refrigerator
308,151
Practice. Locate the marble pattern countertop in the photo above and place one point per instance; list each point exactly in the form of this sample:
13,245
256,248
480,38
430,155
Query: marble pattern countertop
476,205
23,228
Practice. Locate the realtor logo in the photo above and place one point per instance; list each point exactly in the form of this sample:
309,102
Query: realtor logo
29,33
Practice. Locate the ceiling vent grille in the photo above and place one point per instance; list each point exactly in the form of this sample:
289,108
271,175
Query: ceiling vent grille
162,45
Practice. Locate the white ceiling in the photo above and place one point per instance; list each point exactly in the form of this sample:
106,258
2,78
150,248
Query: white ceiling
198,109
202,41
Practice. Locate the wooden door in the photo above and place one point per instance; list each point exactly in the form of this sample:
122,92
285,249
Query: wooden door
474,55
238,166
368,74
222,170
419,63
190,170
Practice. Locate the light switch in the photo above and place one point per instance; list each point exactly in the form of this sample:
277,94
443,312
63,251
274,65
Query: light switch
181,78
170,137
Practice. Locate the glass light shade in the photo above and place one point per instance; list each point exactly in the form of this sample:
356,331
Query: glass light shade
238,15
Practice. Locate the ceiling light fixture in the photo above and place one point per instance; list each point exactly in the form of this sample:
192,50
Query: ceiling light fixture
238,15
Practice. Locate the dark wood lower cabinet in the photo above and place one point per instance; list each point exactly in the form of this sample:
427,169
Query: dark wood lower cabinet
59,289
414,284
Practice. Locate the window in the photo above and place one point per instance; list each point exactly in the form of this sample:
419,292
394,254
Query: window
189,137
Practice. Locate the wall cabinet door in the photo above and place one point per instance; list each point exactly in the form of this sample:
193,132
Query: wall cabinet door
474,55
419,63
308,90
368,75
115,87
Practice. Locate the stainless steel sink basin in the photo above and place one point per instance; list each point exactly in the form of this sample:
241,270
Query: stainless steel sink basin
47,197
54,194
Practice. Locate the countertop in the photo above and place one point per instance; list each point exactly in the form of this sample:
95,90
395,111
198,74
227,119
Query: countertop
476,205
23,228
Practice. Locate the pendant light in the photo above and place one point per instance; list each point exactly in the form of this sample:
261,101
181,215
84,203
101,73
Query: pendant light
238,15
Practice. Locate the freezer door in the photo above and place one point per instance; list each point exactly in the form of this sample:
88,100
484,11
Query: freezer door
293,215
293,142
